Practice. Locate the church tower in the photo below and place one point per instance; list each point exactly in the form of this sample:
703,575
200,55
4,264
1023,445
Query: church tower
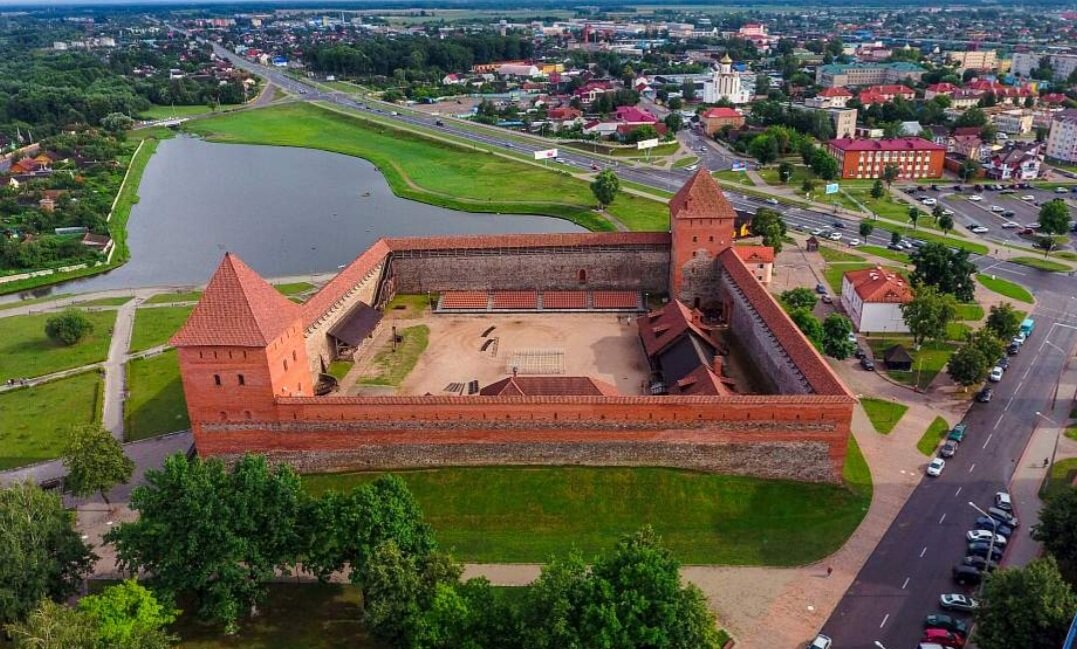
241,348
701,225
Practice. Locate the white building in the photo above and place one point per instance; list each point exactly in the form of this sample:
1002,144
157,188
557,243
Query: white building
1063,65
1062,141
872,298
726,83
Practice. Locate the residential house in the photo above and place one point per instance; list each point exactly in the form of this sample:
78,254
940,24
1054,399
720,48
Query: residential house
1015,162
1015,121
714,119
590,91
936,89
872,298
833,97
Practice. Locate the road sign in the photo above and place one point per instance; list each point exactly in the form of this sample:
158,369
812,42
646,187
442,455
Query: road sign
832,188
647,144
739,166
545,154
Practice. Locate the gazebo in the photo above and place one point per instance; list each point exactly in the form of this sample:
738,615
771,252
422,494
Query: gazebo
897,358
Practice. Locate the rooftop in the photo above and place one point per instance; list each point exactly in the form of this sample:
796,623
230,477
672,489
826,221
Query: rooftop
890,144
878,286
549,386
701,198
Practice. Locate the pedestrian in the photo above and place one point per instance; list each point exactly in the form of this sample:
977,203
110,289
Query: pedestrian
829,571
1045,462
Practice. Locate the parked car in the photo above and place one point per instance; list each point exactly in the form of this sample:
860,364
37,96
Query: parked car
834,236
958,602
1009,225
984,395
988,523
934,469
820,289
976,198
1004,517
984,536
996,374
957,434
1003,502
854,243
997,209
816,232
979,229
948,622
1003,362
826,299
982,549
860,353
947,450
821,642
979,563
944,637
929,202
966,575
838,224
867,364
1013,349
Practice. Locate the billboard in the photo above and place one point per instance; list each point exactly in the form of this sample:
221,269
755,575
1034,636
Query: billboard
545,154
832,188
647,144
739,166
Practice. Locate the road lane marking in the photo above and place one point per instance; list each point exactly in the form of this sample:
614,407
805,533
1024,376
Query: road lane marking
942,519
999,420
972,467
957,493
885,618
905,584
923,552
985,444
1019,386
1025,375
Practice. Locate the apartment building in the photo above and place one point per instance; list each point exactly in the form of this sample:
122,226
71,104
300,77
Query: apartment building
1062,64
974,60
866,158
1062,140
866,74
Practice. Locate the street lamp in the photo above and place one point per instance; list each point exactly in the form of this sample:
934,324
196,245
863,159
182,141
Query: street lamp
1058,434
880,645
990,548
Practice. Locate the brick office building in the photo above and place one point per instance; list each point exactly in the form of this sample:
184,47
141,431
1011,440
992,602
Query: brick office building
249,360
866,158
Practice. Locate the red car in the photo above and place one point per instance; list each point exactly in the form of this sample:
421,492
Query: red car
943,637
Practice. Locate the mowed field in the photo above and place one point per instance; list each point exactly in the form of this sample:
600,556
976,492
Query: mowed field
433,171
527,514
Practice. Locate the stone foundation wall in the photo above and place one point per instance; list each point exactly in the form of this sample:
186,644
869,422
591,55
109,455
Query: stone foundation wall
635,268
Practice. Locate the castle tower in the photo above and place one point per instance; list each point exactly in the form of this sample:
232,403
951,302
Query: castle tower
241,348
701,225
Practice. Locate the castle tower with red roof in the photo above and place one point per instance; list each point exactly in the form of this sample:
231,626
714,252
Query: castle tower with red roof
241,347
701,224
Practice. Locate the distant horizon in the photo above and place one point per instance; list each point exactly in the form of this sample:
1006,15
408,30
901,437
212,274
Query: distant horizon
37,5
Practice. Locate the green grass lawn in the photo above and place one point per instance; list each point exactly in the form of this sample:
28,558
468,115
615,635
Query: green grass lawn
155,404
169,298
1062,474
154,326
32,301
927,362
340,369
954,242
735,177
25,351
394,366
405,305
1042,264
293,288
932,436
957,331
510,514
685,162
832,254
107,301
36,420
428,170
164,112
884,415
1005,287
1071,432
970,311
885,253
294,616
654,191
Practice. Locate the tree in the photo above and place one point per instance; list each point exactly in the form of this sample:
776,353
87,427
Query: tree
866,228
68,328
809,325
807,186
890,173
948,270
895,238
928,313
675,104
968,169
971,117
605,187
798,298
688,90
117,123
674,121
768,223
1029,607
41,554
95,461
836,331
877,190
128,616
1057,531
987,343
215,534
824,165
1003,320
914,216
946,223
764,148
53,626
1054,219
968,366
785,172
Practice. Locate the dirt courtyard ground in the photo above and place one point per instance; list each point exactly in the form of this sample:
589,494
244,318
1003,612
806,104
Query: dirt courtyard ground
604,346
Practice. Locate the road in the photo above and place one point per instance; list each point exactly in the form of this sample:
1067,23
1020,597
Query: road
910,568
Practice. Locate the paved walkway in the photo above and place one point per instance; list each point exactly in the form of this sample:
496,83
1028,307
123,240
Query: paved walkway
115,374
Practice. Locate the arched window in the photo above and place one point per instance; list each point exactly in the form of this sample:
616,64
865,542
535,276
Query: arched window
582,276
286,365
216,379
242,379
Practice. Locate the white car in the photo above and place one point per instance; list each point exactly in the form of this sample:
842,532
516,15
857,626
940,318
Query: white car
948,212
979,229
835,236
1028,197
996,374
929,201
1003,502
958,602
936,467
691,167
976,198
821,642
854,242
1009,225
997,210
984,536
1061,190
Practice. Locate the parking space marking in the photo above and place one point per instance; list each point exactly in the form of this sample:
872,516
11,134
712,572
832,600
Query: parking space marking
885,618
942,519
906,583
957,493
923,552
988,440
972,467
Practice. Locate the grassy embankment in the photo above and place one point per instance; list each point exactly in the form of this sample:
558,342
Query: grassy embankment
36,420
25,350
883,414
432,171
155,325
932,436
511,514
155,404
1005,287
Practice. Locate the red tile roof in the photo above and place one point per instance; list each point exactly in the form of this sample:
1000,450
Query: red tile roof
701,198
942,88
876,285
344,281
237,309
633,114
891,144
720,112
549,386
801,352
703,381
755,254
662,327
488,241
895,89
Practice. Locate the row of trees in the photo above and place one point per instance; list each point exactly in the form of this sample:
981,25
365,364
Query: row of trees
831,335
215,537
426,58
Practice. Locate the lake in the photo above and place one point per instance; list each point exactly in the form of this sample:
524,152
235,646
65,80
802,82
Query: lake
284,211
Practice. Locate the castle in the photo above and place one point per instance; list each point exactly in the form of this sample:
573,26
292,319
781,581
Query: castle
250,359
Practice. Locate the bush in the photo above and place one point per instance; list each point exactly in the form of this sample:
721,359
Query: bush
68,328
